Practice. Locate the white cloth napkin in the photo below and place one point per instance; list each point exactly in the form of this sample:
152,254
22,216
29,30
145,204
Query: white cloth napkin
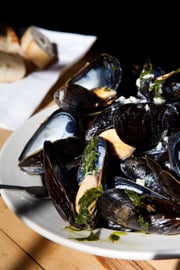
18,100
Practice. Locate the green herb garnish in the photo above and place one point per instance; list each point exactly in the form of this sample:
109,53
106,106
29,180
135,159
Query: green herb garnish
135,197
90,156
144,225
84,217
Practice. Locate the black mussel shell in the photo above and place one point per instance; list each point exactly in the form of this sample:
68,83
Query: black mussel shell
61,124
77,97
139,212
105,70
142,169
102,121
171,87
169,115
61,186
93,87
170,185
143,125
69,148
174,151
138,125
128,184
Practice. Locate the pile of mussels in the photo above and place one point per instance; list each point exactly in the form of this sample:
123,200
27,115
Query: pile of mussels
110,161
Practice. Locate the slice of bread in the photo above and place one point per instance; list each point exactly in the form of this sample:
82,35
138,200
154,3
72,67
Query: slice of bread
9,41
12,67
37,47
20,56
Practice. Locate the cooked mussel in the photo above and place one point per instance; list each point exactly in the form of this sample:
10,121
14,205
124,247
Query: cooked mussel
70,149
143,125
149,173
61,124
125,183
103,125
171,86
105,70
74,193
138,125
157,86
170,185
102,121
143,169
92,180
93,87
77,97
139,212
148,74
174,151
61,185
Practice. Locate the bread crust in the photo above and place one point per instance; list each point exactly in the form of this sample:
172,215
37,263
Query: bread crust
37,47
12,67
9,41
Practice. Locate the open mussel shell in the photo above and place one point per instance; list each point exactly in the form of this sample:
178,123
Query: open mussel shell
65,190
61,185
125,183
105,70
93,160
148,172
148,73
156,86
93,87
70,149
62,123
91,177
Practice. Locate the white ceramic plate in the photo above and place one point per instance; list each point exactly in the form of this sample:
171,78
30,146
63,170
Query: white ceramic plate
42,217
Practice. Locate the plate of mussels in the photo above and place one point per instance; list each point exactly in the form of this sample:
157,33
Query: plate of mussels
108,165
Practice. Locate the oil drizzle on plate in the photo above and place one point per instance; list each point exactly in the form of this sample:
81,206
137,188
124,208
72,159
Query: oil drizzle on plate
115,236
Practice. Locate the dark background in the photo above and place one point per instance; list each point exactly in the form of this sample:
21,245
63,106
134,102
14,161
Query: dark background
130,31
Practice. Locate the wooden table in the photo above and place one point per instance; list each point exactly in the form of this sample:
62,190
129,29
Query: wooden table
23,249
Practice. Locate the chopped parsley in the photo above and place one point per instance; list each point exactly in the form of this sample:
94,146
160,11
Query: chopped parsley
85,217
90,156
144,225
135,197
137,201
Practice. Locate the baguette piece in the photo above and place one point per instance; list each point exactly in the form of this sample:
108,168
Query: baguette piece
37,47
12,67
9,41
